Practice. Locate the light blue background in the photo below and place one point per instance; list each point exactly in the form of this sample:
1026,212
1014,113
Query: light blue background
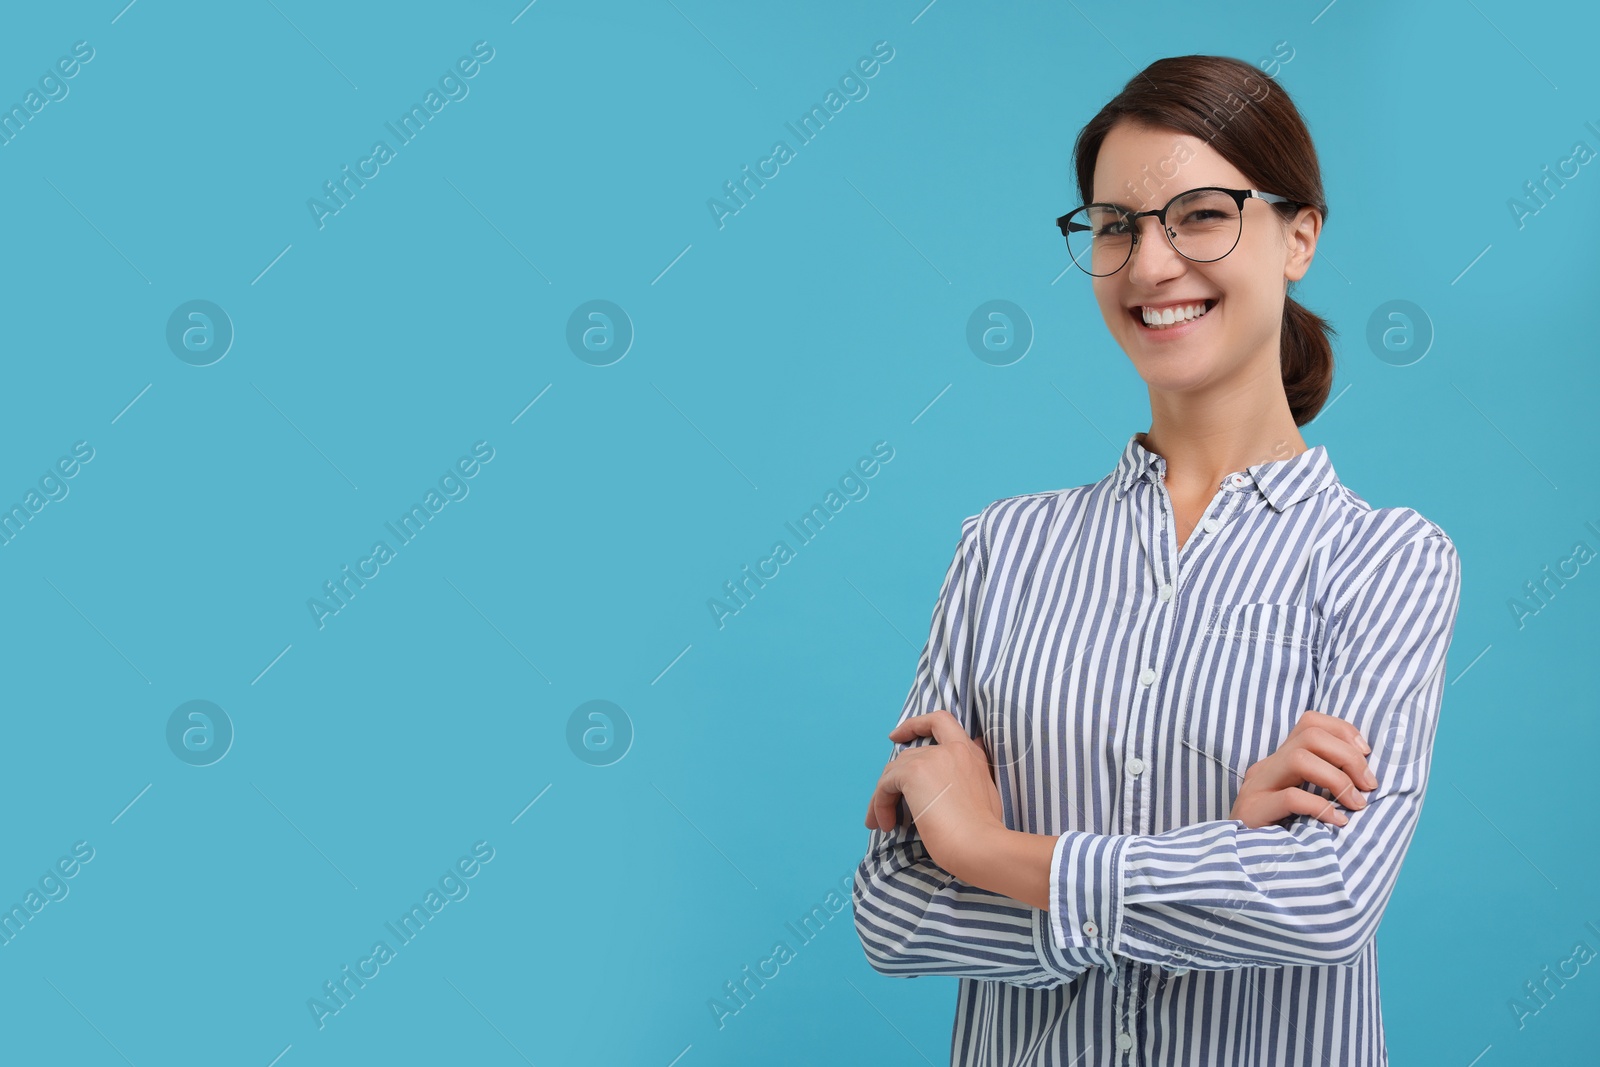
829,314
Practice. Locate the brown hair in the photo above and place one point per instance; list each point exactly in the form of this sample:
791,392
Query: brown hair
1251,122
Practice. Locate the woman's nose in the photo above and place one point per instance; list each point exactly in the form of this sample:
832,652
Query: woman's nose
1152,255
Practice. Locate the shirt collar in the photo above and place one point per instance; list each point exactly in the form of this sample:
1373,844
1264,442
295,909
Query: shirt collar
1283,482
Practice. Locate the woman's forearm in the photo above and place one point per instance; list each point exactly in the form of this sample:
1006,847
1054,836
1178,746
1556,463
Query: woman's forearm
1013,864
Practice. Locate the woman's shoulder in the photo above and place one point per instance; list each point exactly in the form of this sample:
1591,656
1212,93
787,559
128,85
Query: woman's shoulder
1008,516
1360,524
1364,542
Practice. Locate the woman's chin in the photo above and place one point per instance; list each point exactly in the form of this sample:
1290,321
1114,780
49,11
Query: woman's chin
1174,371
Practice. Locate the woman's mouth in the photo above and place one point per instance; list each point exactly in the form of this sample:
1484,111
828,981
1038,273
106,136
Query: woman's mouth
1173,321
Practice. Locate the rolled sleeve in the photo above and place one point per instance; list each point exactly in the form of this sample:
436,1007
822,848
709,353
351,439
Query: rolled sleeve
1086,878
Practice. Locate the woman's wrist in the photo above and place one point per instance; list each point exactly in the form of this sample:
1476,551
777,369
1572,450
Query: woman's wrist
1012,863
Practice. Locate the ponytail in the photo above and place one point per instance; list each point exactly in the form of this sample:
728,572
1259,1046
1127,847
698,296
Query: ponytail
1306,358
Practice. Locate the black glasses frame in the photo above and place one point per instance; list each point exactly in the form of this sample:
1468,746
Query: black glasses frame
1068,227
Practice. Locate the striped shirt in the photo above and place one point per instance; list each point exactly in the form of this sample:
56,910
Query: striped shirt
1123,686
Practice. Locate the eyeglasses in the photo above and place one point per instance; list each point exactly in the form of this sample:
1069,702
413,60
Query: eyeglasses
1202,225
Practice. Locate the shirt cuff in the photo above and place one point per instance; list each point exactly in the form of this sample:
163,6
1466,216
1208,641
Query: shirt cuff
1086,875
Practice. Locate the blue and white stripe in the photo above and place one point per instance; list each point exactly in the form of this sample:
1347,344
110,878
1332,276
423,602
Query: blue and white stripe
1124,686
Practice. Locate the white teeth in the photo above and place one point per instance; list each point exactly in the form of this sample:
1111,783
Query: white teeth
1168,316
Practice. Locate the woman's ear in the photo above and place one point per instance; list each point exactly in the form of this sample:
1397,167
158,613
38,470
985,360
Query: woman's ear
1301,236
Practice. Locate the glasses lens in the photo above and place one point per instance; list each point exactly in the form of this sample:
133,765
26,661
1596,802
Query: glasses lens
1204,225
1099,238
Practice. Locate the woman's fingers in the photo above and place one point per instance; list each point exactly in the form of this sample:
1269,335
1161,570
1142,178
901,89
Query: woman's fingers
1323,757
1303,802
1307,766
1321,750
883,810
916,726
1333,725
1265,807
1344,754
1349,757
882,813
939,724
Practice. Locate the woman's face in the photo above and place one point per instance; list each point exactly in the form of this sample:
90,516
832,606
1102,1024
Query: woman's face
1238,337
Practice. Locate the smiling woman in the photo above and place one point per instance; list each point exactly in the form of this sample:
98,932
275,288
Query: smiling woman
1130,804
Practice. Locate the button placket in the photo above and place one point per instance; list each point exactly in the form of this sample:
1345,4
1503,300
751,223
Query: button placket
1137,801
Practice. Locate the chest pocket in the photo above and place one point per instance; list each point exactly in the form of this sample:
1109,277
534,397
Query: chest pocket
1253,675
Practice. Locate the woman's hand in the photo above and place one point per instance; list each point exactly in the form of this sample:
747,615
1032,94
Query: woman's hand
1320,750
948,786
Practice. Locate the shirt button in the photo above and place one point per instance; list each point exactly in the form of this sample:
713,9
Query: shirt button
1238,479
1212,525
1090,928
1147,676
1136,766
1166,591
1124,1041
